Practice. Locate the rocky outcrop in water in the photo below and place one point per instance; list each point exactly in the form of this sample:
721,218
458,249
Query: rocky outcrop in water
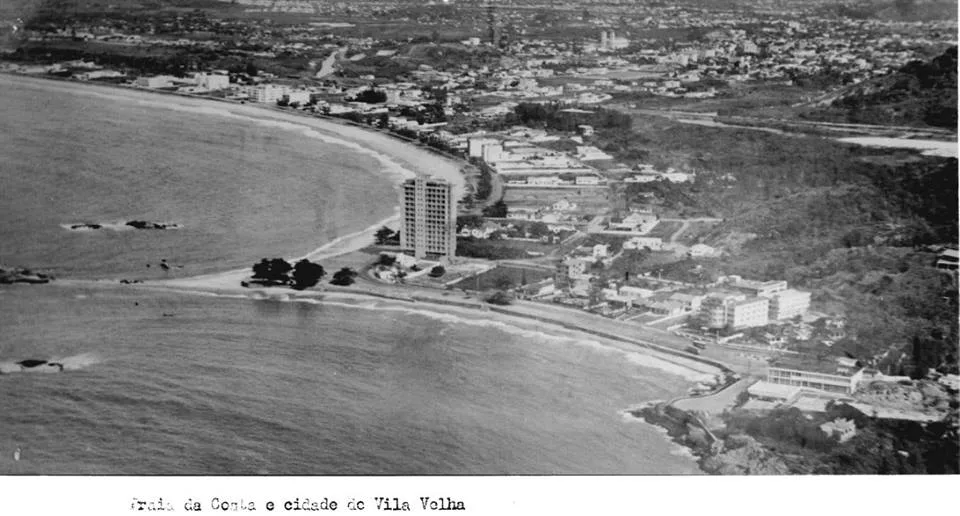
143,224
735,455
134,224
20,275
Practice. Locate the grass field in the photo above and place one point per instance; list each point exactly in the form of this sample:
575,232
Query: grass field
499,277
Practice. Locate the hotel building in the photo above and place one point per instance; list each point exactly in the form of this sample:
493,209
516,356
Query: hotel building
429,217
734,311
787,304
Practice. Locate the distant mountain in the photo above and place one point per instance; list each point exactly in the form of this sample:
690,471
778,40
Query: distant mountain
919,94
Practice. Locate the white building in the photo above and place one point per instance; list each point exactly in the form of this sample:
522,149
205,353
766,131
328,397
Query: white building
734,311
211,82
475,146
786,304
159,81
301,97
843,384
269,93
749,313
429,217
492,152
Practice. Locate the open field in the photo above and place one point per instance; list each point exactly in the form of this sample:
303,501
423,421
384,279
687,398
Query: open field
503,276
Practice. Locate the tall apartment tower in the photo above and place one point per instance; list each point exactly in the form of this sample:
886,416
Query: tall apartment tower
429,217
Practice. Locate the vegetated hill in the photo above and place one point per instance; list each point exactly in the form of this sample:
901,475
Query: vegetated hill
898,10
919,94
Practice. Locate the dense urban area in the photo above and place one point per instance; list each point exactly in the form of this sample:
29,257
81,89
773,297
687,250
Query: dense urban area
771,185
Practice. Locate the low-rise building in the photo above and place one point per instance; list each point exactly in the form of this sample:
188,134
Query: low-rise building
841,428
842,384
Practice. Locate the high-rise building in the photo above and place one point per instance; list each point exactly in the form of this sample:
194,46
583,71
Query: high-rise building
429,217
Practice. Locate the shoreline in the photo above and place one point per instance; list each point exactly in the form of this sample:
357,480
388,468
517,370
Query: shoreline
399,160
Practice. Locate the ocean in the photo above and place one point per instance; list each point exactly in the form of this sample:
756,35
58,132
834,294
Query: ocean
161,382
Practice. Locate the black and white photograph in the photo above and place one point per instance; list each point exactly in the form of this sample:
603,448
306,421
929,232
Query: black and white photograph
504,238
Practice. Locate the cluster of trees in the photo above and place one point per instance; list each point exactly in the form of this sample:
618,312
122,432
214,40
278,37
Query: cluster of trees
387,236
921,92
371,96
344,277
880,446
496,210
277,271
301,275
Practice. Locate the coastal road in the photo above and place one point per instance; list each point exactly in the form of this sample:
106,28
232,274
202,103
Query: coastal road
715,403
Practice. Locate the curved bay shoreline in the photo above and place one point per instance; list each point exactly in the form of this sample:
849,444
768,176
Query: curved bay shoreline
398,160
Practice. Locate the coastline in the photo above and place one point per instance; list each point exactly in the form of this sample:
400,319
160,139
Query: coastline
399,160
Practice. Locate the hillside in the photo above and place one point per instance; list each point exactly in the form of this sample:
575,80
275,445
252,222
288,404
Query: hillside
919,94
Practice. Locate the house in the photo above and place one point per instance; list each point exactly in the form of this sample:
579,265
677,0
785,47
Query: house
601,251
841,428
948,260
846,365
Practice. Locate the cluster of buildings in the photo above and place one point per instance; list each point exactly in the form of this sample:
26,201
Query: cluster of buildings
750,304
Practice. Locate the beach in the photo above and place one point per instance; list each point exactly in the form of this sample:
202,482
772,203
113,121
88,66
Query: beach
190,373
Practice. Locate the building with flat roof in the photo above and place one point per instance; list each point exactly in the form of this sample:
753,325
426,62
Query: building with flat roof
789,303
843,384
758,288
734,311
429,217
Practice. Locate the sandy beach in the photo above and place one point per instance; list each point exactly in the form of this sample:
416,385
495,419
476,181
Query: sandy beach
399,160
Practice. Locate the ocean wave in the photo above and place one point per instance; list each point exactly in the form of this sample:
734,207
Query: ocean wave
448,316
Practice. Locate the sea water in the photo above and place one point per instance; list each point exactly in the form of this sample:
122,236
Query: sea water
157,382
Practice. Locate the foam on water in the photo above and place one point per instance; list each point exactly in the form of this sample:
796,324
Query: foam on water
465,317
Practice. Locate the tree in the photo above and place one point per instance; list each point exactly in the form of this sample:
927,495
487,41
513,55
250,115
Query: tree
386,260
344,277
497,210
437,271
385,236
307,274
371,96
499,298
275,270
